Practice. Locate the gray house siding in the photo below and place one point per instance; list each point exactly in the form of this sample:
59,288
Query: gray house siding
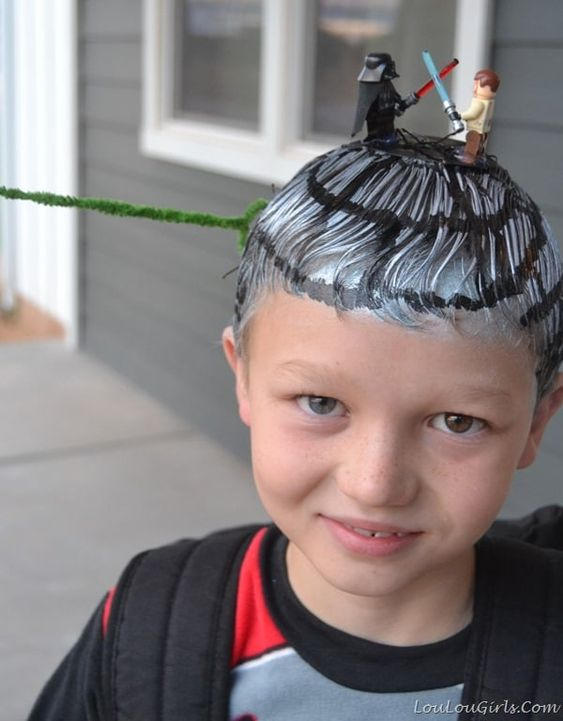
153,299
528,129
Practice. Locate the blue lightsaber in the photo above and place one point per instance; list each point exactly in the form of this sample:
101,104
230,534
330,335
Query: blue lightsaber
449,107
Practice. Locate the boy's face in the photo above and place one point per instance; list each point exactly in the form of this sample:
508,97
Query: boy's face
359,426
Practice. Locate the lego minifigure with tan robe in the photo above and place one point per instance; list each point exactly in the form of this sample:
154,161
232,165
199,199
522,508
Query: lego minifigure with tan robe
479,114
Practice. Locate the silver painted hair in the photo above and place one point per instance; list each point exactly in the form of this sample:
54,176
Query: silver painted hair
407,234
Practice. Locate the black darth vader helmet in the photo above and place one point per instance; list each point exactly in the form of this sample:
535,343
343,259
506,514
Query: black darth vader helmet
378,67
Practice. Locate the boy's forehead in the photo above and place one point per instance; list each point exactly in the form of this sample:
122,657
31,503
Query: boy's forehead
310,344
298,325
298,310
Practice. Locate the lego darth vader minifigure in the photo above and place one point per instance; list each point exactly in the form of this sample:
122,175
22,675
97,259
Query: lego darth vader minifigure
378,101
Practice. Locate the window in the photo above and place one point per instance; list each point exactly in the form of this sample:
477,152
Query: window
255,88
217,61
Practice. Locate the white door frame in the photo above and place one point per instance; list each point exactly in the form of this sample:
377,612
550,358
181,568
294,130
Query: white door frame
40,117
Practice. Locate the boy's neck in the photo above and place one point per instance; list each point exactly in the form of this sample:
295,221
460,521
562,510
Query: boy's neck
426,612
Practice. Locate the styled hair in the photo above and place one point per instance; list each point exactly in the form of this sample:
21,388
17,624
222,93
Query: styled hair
488,77
407,234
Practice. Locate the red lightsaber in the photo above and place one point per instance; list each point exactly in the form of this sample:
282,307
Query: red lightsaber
421,92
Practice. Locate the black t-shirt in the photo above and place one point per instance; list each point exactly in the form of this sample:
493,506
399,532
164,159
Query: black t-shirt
320,672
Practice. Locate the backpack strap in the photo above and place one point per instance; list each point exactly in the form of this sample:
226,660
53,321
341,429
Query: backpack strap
543,527
515,654
168,642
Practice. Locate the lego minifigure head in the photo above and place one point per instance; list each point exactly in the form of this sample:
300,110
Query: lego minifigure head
485,85
378,67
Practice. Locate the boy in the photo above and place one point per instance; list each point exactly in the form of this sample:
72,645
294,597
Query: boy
396,345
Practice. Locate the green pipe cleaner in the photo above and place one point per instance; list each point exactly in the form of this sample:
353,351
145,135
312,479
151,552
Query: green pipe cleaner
240,223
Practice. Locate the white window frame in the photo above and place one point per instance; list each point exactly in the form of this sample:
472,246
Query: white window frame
275,152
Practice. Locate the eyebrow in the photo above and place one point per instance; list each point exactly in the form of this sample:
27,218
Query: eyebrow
321,371
487,395
314,371
484,391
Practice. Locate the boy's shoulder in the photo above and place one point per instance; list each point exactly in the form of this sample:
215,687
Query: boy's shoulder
520,572
182,590
542,528
189,567
516,642
160,640
520,563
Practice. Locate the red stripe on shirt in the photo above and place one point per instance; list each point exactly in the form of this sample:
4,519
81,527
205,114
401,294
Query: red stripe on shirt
107,611
255,631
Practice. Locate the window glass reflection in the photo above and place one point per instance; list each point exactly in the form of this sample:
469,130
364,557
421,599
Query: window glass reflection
346,30
218,61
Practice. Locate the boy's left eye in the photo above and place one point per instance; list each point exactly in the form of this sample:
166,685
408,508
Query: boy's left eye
457,423
320,406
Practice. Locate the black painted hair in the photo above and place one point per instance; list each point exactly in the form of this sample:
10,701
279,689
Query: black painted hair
409,232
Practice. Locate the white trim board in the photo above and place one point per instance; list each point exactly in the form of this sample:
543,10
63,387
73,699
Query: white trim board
44,127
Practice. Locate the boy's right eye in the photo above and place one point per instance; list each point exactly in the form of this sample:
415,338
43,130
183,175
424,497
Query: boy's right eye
321,406
458,424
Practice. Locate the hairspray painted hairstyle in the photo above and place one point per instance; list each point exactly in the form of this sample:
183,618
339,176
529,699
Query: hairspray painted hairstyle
410,233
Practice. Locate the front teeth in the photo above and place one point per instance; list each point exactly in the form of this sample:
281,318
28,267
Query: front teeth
376,534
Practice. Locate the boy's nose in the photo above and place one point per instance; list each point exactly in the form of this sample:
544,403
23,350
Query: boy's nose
377,472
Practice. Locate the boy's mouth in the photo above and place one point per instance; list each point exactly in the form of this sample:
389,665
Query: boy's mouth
376,534
372,538
372,529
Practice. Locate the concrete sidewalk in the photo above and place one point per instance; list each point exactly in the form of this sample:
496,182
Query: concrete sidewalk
93,471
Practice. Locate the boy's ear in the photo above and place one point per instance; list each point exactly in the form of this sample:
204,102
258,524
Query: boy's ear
547,408
239,369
